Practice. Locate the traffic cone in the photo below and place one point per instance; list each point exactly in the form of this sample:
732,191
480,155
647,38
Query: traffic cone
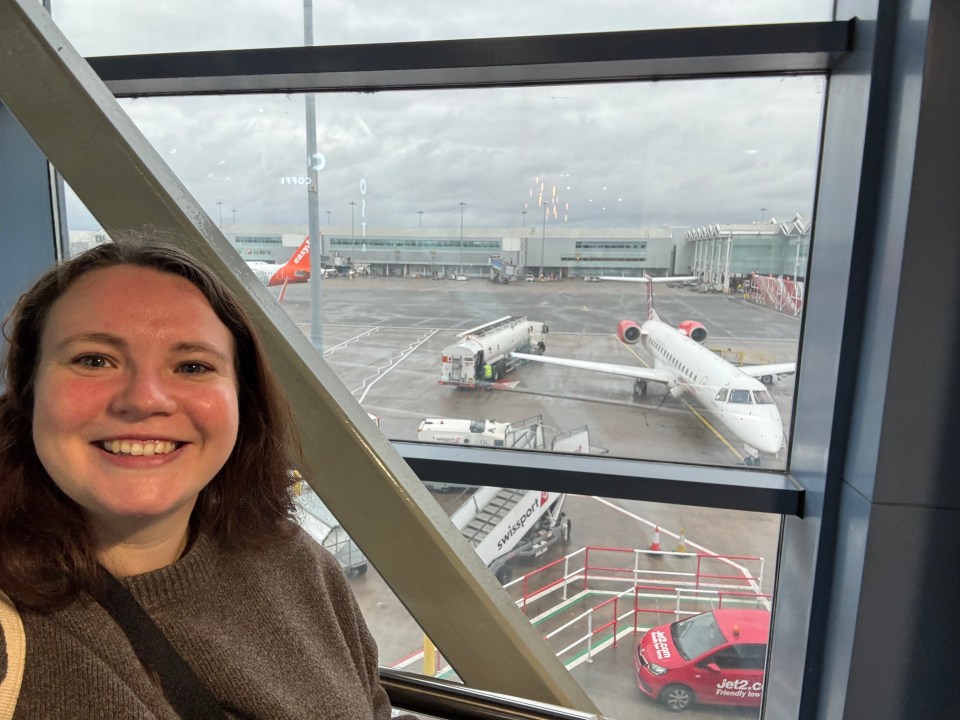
682,543
655,545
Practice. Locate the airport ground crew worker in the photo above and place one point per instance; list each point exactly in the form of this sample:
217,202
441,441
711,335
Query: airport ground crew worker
488,372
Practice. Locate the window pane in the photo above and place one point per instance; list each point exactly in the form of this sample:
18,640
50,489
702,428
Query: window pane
112,27
541,188
592,561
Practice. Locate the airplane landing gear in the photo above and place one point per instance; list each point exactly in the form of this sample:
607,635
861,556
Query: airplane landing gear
639,388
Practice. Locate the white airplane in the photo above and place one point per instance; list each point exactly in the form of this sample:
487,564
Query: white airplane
295,270
734,395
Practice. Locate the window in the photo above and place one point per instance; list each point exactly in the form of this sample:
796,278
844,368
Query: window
404,211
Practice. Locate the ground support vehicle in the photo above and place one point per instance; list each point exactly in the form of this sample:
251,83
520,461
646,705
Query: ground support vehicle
715,658
314,517
462,364
504,523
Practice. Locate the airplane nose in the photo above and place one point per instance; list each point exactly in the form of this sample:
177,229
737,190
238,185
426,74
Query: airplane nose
763,431
767,430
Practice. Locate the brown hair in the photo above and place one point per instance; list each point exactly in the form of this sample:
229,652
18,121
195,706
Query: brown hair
47,552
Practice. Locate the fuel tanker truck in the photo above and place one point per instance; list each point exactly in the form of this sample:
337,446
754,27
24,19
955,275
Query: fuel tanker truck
463,364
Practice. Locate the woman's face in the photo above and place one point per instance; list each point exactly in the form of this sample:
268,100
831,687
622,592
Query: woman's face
135,405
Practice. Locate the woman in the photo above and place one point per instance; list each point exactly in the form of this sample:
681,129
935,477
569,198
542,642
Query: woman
145,438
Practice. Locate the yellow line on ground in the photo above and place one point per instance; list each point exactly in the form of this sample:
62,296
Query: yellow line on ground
696,412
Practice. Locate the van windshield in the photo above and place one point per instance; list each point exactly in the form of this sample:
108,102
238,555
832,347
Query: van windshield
696,635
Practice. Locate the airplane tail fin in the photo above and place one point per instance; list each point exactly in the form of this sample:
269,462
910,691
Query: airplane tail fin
296,269
300,260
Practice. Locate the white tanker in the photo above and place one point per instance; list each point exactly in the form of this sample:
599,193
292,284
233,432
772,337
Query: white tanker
463,364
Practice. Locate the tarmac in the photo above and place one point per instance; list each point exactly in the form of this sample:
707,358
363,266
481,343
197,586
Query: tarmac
383,337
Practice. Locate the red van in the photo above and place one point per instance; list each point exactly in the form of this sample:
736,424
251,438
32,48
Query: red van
714,658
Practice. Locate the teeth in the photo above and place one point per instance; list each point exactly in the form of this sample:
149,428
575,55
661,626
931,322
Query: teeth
138,447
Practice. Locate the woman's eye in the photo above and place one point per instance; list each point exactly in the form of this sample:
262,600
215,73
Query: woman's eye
93,361
194,368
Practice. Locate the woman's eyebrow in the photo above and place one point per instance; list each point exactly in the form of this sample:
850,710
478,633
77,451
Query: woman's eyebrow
192,347
100,337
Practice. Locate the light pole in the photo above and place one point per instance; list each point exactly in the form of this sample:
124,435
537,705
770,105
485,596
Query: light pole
234,216
329,213
543,236
523,222
220,205
420,213
763,212
352,239
461,236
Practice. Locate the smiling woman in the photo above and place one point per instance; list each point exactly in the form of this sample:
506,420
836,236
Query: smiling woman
147,442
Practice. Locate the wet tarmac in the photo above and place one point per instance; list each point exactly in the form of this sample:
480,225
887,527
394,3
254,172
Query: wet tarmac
383,337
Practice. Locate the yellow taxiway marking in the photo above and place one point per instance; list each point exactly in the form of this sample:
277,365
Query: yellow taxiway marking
696,412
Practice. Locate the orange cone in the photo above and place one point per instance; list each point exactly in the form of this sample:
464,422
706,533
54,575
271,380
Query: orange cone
655,545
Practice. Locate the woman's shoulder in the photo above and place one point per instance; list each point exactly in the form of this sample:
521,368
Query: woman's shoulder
295,555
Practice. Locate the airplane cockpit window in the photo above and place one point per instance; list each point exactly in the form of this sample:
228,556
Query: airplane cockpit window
762,397
740,396
722,395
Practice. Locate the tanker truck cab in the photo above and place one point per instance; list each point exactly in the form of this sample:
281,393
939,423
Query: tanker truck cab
714,658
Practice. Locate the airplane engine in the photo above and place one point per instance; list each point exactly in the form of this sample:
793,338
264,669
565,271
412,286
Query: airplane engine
693,329
628,331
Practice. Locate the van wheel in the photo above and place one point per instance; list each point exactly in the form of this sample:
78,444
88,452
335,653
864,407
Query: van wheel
361,569
676,697
503,574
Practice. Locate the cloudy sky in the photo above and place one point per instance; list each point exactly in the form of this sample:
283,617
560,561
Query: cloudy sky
620,155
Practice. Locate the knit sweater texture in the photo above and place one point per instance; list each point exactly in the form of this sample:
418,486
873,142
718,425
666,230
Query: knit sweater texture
275,634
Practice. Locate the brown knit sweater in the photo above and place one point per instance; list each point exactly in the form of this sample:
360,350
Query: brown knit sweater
274,633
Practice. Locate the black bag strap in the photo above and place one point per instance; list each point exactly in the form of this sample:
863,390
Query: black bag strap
187,693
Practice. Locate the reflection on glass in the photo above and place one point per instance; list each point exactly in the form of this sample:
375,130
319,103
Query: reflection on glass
107,27
469,239
600,579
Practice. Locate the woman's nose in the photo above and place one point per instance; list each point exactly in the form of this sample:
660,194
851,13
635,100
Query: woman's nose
145,392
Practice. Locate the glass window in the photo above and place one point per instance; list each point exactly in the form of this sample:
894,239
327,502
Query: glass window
111,27
494,185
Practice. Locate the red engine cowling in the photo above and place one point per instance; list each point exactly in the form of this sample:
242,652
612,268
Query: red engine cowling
693,329
628,331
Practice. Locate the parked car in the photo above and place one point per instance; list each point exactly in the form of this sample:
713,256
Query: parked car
714,658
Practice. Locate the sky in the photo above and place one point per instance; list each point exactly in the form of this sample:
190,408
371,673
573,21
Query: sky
686,153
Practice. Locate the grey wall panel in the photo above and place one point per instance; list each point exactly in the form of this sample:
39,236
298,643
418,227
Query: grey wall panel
27,242
919,453
905,655
851,546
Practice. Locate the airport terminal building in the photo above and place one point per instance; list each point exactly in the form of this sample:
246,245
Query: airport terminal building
719,254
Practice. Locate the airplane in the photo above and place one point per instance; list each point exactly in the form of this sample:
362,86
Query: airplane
734,394
295,270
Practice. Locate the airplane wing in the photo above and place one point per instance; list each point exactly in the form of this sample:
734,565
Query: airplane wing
758,371
642,373
649,279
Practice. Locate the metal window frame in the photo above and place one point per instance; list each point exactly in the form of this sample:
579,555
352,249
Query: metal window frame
648,55
811,47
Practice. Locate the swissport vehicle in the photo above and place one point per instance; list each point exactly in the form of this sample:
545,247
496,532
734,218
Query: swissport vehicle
714,658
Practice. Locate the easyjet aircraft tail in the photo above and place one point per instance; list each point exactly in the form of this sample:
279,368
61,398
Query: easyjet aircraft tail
296,269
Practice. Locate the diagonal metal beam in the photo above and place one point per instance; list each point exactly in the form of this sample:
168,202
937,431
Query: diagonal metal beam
78,125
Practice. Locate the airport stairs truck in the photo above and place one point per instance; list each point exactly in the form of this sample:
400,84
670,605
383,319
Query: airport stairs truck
462,364
504,523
